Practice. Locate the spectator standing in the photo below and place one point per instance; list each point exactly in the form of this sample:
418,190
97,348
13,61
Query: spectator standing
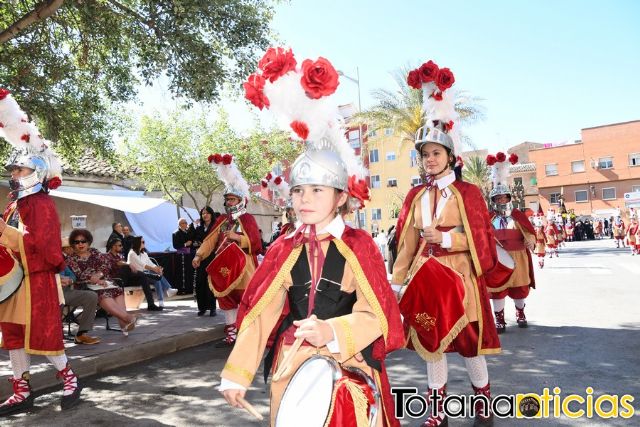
126,241
182,243
116,232
205,298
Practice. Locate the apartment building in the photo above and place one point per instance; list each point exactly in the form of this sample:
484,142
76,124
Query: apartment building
591,176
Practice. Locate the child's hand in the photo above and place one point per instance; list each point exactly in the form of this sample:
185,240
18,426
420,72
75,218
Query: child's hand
315,331
231,395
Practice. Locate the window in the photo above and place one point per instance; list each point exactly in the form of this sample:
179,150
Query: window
554,198
634,159
388,131
635,188
517,181
605,163
413,158
416,180
550,170
376,214
354,138
375,181
373,156
363,218
392,182
582,196
391,155
577,166
609,193
372,133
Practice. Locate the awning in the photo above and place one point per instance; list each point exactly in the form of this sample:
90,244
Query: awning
123,200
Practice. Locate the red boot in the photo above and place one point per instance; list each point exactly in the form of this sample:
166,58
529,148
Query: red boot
501,325
71,384
484,417
439,419
521,318
22,397
230,334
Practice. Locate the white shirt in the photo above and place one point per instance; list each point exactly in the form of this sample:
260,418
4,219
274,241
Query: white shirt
137,262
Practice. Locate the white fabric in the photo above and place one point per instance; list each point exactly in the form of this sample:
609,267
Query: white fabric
438,373
425,203
20,362
230,316
519,302
498,304
335,228
477,370
122,200
226,384
59,362
446,240
158,224
137,262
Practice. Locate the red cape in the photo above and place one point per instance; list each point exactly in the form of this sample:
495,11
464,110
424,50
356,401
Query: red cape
249,228
524,222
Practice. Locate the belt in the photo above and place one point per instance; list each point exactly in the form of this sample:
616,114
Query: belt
434,249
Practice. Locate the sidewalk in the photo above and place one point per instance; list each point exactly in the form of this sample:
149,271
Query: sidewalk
157,333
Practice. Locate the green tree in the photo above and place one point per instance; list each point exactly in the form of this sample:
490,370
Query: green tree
477,172
170,154
67,61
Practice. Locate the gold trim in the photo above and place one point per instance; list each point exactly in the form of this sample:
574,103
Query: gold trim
245,373
227,291
244,234
469,234
408,223
364,285
272,290
444,343
348,336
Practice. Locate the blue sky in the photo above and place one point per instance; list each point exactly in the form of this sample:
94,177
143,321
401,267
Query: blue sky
545,69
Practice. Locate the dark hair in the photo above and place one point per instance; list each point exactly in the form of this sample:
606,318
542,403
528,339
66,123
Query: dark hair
112,242
80,232
136,245
113,226
209,209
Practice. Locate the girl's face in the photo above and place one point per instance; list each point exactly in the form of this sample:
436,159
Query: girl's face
206,216
434,158
316,204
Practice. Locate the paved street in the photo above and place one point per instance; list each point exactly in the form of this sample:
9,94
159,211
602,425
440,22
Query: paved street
584,331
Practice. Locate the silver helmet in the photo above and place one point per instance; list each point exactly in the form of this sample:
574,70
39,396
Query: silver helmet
433,133
320,167
32,183
499,190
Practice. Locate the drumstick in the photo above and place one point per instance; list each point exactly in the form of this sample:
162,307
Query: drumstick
249,407
498,242
284,365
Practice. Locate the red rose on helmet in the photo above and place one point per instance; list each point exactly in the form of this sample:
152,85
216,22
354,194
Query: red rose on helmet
445,79
276,62
253,91
264,183
278,180
217,159
414,80
500,156
268,177
319,78
3,93
211,158
428,72
25,137
491,160
300,128
226,159
437,96
358,189
513,158
54,183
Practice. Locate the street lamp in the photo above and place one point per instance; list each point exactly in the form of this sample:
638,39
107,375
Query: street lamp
356,80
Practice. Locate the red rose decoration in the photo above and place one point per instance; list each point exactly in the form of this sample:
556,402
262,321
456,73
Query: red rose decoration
491,160
459,162
54,183
445,79
211,158
414,80
513,158
264,183
3,93
226,159
437,96
448,126
278,180
500,156
253,91
1,125
319,78
428,72
268,177
25,137
217,158
358,189
300,128
276,62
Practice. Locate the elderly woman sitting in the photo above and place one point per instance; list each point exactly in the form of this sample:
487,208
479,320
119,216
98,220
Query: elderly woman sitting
90,267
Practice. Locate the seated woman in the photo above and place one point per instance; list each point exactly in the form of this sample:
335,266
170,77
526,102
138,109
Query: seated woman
139,260
119,268
89,266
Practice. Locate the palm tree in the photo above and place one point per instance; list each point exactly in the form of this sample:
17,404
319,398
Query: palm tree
477,172
401,109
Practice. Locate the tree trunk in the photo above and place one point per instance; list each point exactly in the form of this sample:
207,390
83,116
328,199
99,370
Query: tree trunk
41,12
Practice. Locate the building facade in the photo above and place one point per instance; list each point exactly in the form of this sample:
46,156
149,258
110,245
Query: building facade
591,176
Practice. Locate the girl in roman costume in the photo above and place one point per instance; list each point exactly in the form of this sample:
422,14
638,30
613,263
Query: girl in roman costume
236,227
445,226
30,232
569,229
324,283
551,234
541,238
619,229
632,233
517,236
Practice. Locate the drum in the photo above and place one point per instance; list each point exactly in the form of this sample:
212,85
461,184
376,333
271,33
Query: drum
503,269
226,270
320,384
11,274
